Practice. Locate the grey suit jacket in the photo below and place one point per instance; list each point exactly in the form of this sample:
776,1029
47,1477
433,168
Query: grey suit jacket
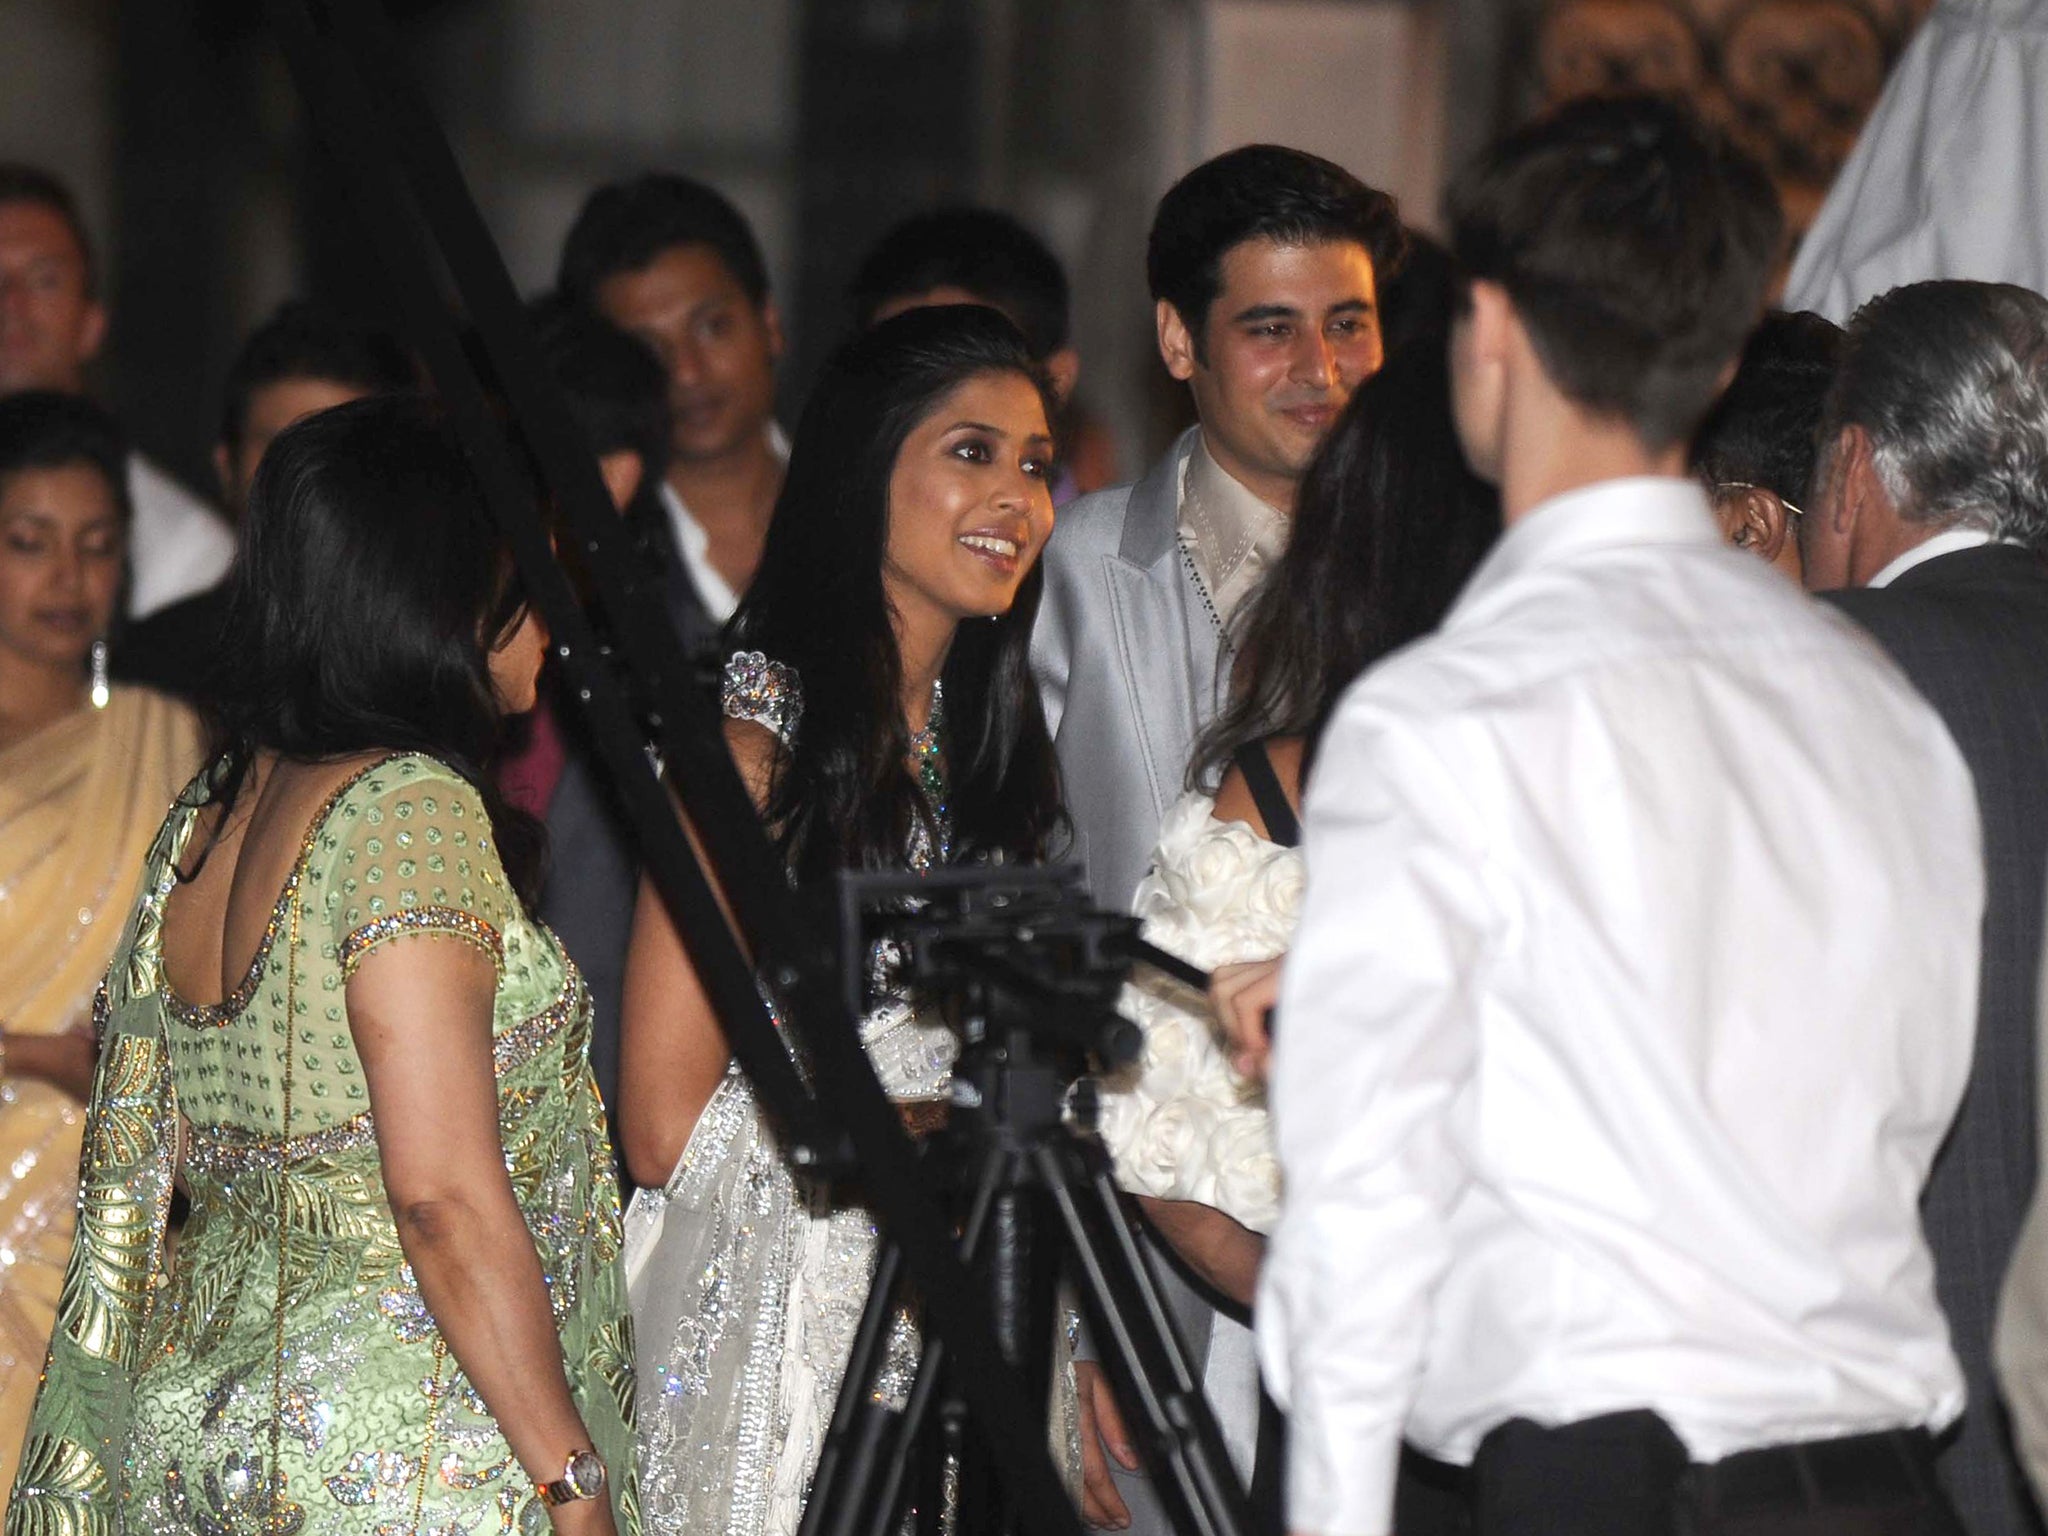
1126,655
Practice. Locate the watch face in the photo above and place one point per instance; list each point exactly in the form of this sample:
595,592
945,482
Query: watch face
585,1474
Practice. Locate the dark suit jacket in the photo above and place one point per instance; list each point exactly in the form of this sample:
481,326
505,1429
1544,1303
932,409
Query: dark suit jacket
176,650
1971,630
594,862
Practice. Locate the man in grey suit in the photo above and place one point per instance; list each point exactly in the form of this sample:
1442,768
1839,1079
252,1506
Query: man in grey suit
1265,267
1929,529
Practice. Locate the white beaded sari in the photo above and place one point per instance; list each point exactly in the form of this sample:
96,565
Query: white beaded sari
747,1281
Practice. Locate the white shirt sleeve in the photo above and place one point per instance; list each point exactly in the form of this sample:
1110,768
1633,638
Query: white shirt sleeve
1374,1047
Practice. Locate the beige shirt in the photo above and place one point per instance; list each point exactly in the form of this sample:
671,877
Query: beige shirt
1230,535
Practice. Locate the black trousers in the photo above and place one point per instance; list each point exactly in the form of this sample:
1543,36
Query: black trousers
1627,1474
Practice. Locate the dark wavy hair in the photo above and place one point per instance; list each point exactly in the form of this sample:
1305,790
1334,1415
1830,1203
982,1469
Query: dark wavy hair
1388,525
843,798
371,587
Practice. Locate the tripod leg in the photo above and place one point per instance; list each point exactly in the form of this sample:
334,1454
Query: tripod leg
853,1443
1018,1261
1154,1381
912,1439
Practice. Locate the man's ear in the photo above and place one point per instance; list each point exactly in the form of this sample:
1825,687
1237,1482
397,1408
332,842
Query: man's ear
1176,341
1851,479
1063,368
1493,322
771,317
92,331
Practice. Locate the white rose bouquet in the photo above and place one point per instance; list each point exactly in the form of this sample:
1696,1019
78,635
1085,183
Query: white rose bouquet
1182,1125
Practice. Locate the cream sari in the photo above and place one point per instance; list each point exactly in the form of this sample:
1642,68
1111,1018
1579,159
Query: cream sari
80,802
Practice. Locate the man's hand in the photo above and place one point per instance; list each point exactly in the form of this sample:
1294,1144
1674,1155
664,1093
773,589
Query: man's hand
1102,1427
1242,996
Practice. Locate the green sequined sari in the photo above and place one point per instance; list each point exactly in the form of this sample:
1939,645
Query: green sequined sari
174,1397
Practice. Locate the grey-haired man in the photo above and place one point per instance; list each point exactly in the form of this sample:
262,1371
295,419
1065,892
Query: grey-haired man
1929,529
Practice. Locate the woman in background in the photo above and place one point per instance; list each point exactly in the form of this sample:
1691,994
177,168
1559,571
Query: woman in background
880,707
1388,526
86,772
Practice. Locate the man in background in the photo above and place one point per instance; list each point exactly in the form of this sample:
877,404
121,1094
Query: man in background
982,256
301,360
52,325
617,394
672,262
1929,528
1265,266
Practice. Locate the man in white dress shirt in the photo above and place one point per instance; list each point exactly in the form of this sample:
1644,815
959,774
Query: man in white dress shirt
673,262
1633,988
52,323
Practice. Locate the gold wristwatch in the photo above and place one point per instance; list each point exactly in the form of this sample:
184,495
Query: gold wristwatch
583,1477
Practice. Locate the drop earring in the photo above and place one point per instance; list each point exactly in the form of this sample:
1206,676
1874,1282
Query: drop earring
101,690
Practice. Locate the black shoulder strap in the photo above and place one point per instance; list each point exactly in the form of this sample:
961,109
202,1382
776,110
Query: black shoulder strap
1282,825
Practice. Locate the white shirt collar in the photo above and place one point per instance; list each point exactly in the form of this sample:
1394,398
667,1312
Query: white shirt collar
1947,542
1231,535
694,544
1610,514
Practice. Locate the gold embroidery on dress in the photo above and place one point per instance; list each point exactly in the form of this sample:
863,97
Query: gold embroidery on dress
449,920
106,1296
225,1151
58,1489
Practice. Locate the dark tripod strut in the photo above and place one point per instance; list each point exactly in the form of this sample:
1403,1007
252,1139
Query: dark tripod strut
1027,1169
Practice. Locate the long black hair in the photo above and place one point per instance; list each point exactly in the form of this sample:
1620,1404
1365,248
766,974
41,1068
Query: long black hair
844,798
1388,524
371,587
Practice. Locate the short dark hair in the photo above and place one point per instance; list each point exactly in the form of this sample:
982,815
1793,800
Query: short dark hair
1636,246
615,386
1765,429
979,251
20,183
1260,192
301,340
625,225
47,429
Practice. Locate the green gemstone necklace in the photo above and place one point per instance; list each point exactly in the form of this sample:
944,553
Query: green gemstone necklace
928,756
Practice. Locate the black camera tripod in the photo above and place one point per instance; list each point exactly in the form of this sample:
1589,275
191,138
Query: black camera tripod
1028,973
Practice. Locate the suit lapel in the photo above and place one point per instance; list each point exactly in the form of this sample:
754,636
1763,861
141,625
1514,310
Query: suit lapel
1166,643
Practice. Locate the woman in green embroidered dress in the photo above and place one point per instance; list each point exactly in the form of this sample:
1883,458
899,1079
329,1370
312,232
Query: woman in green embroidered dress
397,1306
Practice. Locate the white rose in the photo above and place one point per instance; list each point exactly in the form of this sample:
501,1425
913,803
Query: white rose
1122,1125
1208,879
1245,1169
1173,1050
1273,894
1222,1084
1168,1145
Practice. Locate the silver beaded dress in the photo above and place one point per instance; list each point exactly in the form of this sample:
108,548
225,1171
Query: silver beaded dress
746,1281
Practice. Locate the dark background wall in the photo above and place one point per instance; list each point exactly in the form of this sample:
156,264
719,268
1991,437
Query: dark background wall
828,119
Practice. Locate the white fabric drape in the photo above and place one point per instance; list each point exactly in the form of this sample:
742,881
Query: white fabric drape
1950,176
